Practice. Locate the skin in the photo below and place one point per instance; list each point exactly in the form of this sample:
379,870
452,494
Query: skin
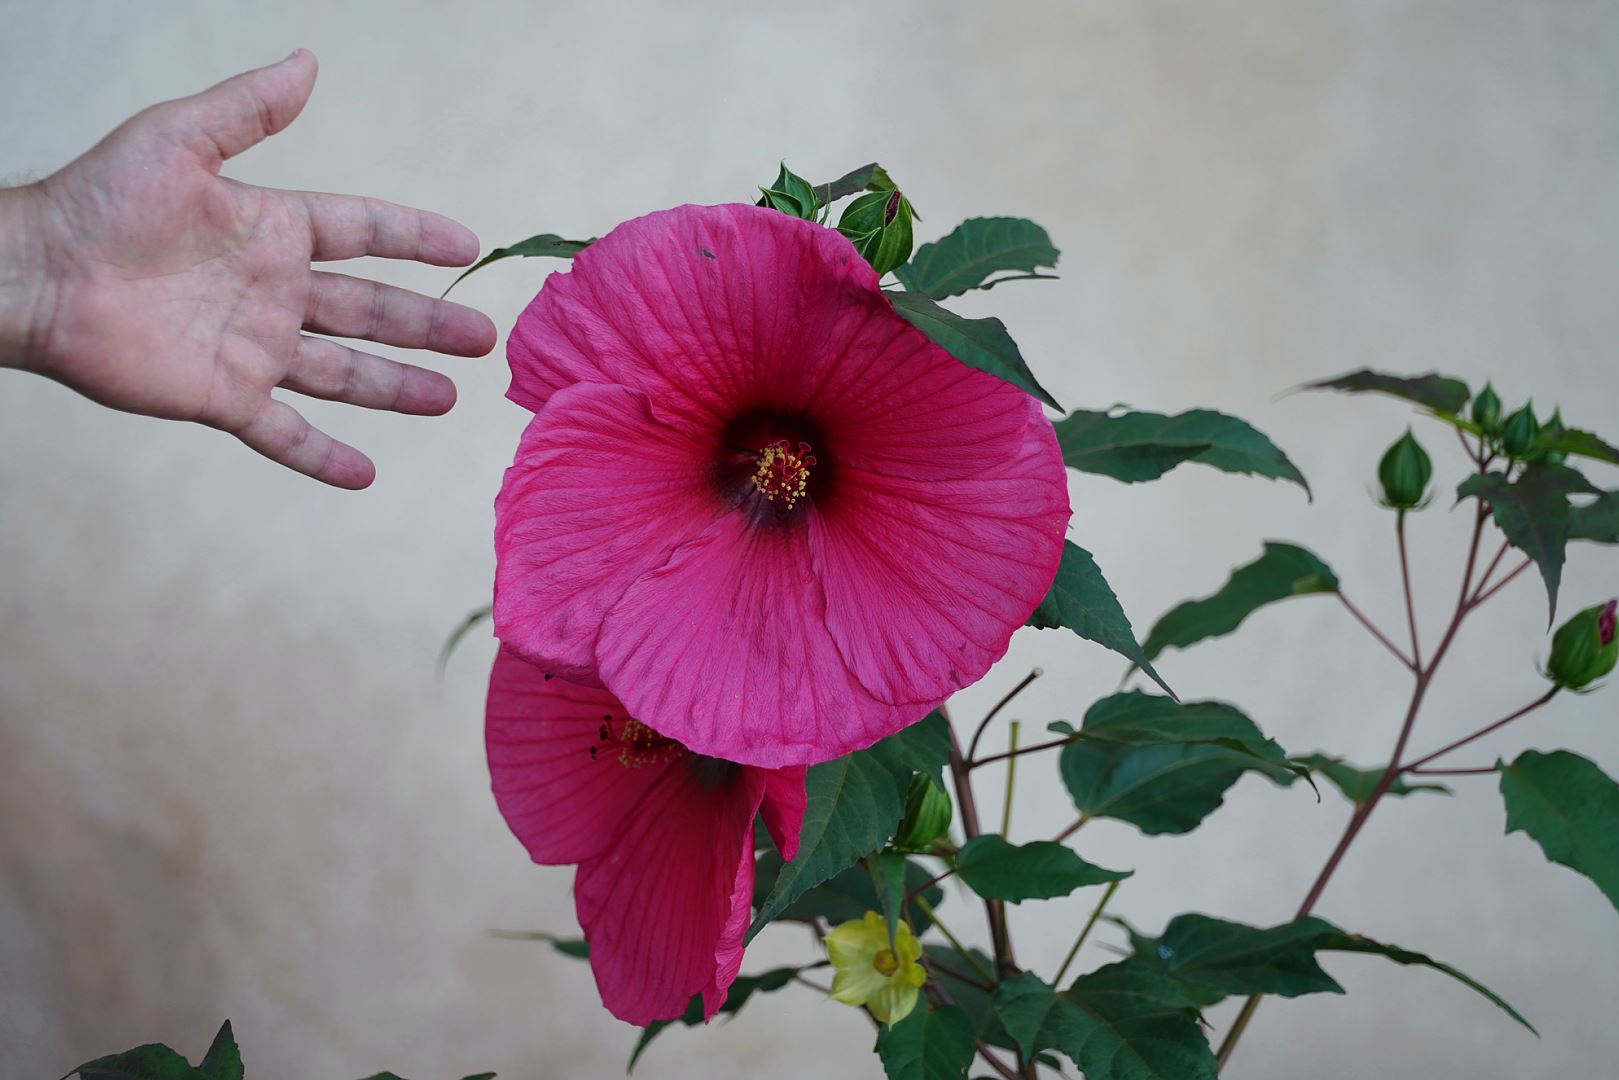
142,278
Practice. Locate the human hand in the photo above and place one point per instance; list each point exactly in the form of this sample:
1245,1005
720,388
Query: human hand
157,286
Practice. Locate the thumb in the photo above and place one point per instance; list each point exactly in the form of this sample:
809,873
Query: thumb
248,108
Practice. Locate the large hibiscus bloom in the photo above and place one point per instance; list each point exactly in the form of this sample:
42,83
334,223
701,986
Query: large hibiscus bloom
663,837
755,503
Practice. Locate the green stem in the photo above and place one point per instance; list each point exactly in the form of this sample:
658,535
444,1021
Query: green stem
1112,887
1011,778
955,942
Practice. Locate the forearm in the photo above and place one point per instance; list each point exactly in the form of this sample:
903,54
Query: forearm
25,291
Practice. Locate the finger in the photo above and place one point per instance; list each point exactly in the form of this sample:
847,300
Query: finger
279,433
352,307
349,226
325,369
248,108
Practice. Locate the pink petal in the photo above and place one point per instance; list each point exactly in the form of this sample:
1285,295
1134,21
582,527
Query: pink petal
926,582
600,493
725,649
783,807
563,804
728,949
660,907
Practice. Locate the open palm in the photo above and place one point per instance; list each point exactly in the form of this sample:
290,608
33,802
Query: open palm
178,293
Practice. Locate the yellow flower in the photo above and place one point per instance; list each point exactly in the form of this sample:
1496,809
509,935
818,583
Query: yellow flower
872,972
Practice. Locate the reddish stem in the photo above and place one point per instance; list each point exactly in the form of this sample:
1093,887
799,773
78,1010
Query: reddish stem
1378,634
993,909
1405,580
1503,583
1483,731
974,763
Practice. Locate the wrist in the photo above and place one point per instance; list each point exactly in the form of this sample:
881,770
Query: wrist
26,293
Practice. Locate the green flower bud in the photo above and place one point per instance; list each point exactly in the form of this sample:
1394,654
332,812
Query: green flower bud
928,811
879,225
1584,648
1404,472
1487,411
1519,433
1549,436
791,194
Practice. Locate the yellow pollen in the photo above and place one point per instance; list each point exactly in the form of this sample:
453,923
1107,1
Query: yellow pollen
634,745
885,962
783,474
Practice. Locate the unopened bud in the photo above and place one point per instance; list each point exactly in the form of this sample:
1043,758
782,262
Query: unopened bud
1550,433
927,815
1487,410
879,225
1404,472
1519,433
1584,649
791,194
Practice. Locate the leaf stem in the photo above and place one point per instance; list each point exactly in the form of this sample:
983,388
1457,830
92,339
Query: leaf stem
1481,732
994,911
1112,887
957,974
1503,583
1476,770
978,733
1405,580
1490,569
1011,778
1019,751
1378,634
1072,829
955,942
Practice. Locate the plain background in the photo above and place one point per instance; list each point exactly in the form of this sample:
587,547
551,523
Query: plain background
230,784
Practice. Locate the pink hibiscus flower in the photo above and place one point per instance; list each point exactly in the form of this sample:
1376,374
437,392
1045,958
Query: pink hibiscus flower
755,503
663,837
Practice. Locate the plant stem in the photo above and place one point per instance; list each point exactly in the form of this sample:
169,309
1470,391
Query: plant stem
1072,829
1405,580
812,984
978,733
994,911
939,995
1112,887
957,974
955,942
1424,678
1490,569
1483,731
1011,778
1503,583
1378,634
1019,751
1476,770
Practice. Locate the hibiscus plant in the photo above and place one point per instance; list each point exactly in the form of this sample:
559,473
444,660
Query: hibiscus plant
777,503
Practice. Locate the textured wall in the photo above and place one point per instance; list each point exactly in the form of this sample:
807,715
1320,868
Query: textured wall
230,785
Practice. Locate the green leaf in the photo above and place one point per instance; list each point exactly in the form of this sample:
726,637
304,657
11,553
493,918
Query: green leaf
1438,392
1137,446
887,869
154,1061
929,1044
1040,870
1166,789
464,627
979,343
1532,512
1575,441
846,896
742,988
223,1061
1082,601
548,245
1283,570
1134,718
1596,521
791,194
1357,783
577,948
1117,1023
870,177
1216,958
1570,808
976,250
853,804
970,997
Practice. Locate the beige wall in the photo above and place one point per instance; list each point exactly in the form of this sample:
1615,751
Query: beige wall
230,785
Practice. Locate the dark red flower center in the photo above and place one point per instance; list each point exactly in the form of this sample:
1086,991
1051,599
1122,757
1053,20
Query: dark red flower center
633,745
771,464
1605,623
782,474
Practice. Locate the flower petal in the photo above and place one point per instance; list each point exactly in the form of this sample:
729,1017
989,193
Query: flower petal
563,804
600,493
783,807
725,649
660,907
926,582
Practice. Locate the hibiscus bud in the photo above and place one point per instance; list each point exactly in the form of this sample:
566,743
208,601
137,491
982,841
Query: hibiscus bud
1584,649
1404,471
1487,410
791,194
928,811
1550,434
1520,431
879,225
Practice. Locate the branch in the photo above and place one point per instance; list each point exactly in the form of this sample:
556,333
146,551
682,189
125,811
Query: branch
1378,634
1405,580
1020,751
978,733
1483,731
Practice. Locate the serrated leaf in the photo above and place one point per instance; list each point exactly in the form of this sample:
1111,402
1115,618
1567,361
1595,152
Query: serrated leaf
1040,870
871,177
853,804
929,1044
1116,1023
845,896
1532,512
1216,958
1160,790
970,997
545,245
223,1061
1081,600
1568,806
1575,441
1138,446
887,869
979,343
577,948
1436,391
974,251
1357,783
741,989
1134,718
1596,521
154,1061
1282,571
